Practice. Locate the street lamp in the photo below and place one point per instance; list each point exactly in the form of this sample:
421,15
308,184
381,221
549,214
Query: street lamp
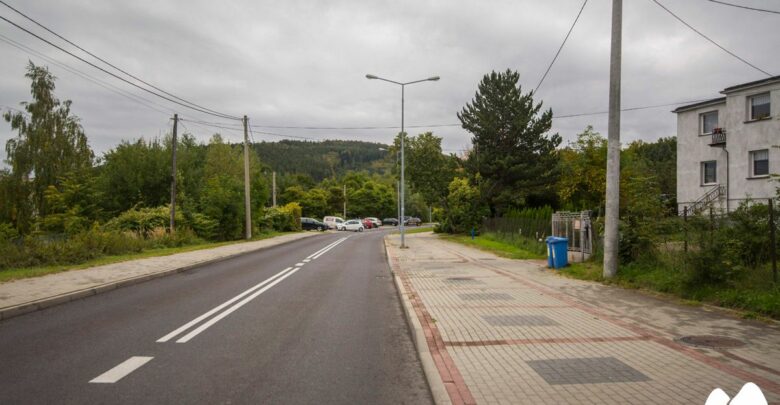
402,186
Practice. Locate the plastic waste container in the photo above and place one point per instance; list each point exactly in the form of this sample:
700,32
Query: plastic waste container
557,252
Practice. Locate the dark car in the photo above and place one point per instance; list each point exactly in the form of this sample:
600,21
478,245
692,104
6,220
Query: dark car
311,224
390,221
412,221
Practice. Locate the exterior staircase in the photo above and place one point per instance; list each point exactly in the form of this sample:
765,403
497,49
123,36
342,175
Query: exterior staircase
707,199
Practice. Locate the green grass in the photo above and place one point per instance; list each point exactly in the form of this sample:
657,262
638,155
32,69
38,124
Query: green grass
27,272
419,229
753,292
491,243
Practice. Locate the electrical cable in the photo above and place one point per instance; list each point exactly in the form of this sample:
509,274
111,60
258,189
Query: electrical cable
710,39
559,49
108,63
117,76
138,99
745,7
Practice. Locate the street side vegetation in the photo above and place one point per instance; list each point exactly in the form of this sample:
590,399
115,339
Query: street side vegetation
62,205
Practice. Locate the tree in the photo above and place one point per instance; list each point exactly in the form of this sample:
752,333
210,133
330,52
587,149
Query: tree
512,152
464,207
135,174
50,142
428,171
583,171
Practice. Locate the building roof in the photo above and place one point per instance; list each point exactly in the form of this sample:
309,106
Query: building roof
706,103
748,85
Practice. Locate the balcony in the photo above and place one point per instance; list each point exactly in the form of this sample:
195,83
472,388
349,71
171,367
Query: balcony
718,137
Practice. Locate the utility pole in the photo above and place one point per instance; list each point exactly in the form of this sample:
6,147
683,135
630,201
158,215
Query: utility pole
174,143
247,207
345,201
398,199
612,212
273,181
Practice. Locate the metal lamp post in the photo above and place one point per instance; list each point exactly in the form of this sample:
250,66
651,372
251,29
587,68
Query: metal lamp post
403,185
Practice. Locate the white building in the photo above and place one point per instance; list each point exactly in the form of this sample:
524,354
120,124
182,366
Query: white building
728,147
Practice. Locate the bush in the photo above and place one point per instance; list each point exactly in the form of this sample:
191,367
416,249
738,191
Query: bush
282,219
143,220
7,232
204,226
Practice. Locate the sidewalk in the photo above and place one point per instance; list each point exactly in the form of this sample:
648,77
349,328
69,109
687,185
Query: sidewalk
493,330
31,294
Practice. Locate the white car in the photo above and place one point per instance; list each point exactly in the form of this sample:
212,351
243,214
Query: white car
353,225
336,223
377,223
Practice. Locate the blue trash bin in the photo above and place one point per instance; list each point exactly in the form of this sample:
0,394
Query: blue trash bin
557,252
549,241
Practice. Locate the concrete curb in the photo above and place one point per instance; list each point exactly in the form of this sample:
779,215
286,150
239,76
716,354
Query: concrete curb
37,305
435,383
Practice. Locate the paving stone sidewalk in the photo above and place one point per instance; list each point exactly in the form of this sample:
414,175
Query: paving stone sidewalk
503,331
21,296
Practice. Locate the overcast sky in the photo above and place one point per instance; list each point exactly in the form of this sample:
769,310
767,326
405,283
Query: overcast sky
303,63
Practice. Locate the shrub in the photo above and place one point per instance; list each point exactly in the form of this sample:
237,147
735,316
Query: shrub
143,220
282,219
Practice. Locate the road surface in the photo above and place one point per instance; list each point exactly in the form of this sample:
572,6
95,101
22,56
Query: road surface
312,321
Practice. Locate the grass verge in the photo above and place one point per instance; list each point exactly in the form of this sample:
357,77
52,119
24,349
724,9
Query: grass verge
753,294
493,244
27,272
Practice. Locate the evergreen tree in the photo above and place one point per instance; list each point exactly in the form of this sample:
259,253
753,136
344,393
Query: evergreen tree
512,152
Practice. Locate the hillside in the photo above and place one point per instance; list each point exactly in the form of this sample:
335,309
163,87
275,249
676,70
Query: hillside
321,159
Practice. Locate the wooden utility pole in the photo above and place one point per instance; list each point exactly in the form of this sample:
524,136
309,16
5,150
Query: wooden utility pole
247,205
174,144
612,214
273,193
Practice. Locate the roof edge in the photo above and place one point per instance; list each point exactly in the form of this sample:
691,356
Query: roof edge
748,85
706,103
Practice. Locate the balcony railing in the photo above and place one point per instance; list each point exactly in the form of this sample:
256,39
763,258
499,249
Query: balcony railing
718,137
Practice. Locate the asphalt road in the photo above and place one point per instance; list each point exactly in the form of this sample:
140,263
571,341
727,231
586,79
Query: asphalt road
330,332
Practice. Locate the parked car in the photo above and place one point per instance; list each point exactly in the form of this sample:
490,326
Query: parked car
367,223
375,222
311,224
336,223
390,221
412,221
353,225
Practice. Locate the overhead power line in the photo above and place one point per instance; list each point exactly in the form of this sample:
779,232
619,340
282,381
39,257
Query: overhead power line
745,7
124,93
221,115
561,47
112,65
711,40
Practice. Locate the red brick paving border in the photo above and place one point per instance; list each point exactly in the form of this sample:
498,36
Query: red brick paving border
736,372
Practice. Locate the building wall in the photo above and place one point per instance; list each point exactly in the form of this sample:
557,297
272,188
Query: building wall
692,149
742,137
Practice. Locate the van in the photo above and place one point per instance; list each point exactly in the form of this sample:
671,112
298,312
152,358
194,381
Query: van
336,223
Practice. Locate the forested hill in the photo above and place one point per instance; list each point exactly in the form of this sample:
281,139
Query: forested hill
321,159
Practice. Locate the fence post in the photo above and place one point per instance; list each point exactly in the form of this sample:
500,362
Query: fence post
773,240
685,230
712,226
582,236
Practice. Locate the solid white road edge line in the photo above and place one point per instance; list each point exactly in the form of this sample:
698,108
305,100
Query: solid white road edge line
227,312
121,370
223,305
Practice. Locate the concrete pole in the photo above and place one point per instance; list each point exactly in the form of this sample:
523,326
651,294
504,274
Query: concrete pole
174,144
345,202
613,147
403,185
273,181
247,205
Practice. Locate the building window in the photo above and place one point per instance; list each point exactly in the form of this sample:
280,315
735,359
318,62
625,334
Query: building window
759,163
759,106
709,172
709,121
